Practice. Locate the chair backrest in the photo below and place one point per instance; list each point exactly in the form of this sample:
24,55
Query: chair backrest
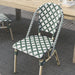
49,17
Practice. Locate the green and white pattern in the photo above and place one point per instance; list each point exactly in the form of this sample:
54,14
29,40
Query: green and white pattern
4,18
34,45
49,15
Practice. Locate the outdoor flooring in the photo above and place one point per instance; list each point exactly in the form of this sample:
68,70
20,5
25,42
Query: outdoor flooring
27,65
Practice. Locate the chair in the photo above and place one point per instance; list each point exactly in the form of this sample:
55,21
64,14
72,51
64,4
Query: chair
5,22
42,47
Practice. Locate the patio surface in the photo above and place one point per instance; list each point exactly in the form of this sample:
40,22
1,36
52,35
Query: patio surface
26,64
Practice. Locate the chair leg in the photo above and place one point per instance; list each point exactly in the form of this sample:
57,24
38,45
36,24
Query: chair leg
40,70
15,60
57,58
11,33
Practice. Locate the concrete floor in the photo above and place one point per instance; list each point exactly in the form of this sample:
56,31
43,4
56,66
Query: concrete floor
26,64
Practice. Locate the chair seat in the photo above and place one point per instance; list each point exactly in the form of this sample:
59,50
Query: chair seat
4,18
34,45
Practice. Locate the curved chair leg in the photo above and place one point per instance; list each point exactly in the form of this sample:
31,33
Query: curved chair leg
40,70
57,58
15,60
11,33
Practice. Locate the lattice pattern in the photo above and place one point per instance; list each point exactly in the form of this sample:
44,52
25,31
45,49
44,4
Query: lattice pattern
4,21
4,18
49,15
34,45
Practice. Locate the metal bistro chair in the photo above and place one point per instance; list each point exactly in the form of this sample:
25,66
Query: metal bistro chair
5,22
42,47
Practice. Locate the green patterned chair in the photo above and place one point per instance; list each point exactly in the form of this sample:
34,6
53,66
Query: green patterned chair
5,22
38,46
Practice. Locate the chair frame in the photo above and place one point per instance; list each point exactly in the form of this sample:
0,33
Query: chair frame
4,27
53,50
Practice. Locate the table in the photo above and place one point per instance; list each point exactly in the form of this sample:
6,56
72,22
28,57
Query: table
32,5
